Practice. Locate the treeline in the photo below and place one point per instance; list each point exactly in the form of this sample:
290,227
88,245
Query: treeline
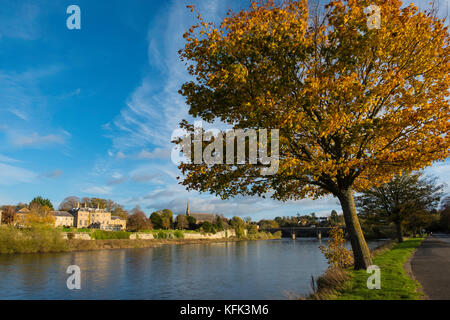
411,204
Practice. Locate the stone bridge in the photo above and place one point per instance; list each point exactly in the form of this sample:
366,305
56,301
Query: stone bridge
294,232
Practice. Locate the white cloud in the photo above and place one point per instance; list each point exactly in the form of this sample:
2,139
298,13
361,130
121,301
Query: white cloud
7,159
97,190
157,153
35,139
12,175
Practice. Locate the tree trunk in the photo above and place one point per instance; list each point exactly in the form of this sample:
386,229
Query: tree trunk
360,249
398,227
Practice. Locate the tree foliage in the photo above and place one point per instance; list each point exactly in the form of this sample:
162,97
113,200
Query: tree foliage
407,199
138,221
40,202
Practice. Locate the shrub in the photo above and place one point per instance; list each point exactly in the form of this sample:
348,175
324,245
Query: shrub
179,234
38,239
102,235
335,253
278,234
162,235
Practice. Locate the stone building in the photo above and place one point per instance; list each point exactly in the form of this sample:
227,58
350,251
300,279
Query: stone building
118,223
63,218
201,217
96,218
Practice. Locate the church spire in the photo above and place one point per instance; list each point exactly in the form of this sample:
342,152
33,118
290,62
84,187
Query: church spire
187,209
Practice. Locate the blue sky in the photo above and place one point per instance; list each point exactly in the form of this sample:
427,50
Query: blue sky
90,112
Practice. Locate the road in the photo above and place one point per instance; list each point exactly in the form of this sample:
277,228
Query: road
431,266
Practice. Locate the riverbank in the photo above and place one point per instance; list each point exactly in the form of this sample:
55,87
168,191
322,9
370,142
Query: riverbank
396,284
50,240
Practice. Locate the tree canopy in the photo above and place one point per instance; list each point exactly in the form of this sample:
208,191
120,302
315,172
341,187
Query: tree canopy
407,198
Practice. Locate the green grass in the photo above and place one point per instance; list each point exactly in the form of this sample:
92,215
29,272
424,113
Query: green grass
102,235
395,283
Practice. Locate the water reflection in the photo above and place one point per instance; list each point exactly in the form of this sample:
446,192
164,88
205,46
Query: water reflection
228,270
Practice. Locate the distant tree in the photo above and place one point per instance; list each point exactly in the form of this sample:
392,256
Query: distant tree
165,223
219,223
119,211
157,220
9,214
405,195
208,227
416,221
69,203
268,224
181,222
248,219
41,202
444,221
192,222
237,222
252,228
166,213
110,205
98,203
138,221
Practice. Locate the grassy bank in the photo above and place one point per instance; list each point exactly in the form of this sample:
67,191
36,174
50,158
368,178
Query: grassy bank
46,239
33,240
351,284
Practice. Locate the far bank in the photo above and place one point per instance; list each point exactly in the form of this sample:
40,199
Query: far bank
51,240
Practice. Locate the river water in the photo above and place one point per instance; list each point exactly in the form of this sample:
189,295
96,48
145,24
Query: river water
274,269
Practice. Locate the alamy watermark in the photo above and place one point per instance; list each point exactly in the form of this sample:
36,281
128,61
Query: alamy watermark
373,17
74,280
74,20
374,281
213,153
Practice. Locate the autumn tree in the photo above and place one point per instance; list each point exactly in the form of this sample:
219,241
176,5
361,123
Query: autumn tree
138,221
406,200
9,214
353,104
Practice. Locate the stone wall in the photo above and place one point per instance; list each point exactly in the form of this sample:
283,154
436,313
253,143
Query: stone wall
77,236
148,236
217,235
141,236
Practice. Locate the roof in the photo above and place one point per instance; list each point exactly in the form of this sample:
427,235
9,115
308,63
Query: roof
203,216
24,210
61,214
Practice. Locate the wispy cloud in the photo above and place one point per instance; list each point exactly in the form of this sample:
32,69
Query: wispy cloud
8,159
19,19
12,175
157,153
98,190
36,140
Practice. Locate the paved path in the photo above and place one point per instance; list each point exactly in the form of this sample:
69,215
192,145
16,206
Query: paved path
431,267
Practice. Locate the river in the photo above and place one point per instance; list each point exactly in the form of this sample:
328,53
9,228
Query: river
274,269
